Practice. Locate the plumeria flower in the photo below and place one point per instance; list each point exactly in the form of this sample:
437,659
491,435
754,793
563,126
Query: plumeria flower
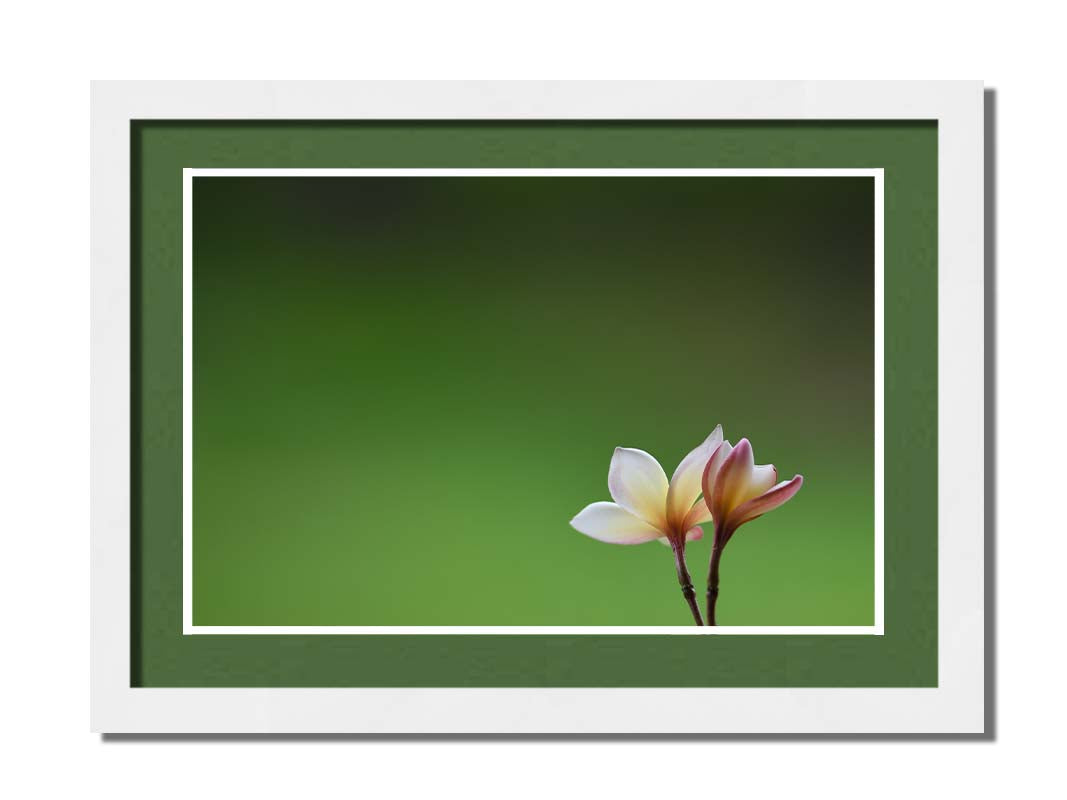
736,490
647,506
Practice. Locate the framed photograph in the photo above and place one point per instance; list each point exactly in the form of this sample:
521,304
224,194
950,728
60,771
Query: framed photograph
537,407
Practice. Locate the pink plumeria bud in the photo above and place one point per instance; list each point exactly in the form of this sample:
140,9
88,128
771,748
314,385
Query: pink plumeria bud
737,490
647,506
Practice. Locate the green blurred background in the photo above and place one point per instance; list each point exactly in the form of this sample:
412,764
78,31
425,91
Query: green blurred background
404,388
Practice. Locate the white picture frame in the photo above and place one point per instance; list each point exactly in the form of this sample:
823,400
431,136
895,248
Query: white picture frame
956,705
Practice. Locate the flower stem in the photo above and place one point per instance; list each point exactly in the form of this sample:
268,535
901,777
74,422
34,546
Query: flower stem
717,546
686,582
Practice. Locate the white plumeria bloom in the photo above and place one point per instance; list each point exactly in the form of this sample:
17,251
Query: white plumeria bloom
647,506
737,490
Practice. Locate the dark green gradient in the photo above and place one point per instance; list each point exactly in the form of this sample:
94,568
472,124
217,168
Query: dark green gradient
404,388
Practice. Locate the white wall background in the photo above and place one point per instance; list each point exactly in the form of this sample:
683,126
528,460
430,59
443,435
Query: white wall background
48,53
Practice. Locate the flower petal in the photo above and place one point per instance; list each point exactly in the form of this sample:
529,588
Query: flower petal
691,536
731,484
685,483
611,523
763,478
698,514
638,484
711,474
768,501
